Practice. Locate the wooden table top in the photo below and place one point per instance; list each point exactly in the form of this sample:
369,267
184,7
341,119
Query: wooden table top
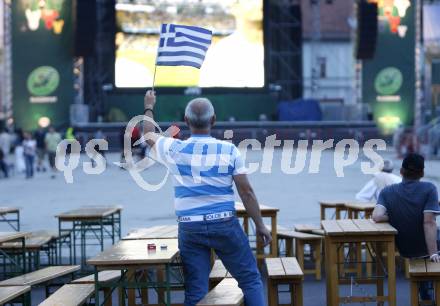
239,207
423,267
33,240
360,205
155,232
89,212
11,236
135,252
7,210
333,203
356,227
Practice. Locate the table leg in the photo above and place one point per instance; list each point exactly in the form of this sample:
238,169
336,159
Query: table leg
144,291
168,282
379,271
298,294
338,213
161,279
333,282
289,247
274,245
322,213
299,251
131,273
414,293
96,286
317,251
272,290
437,292
391,265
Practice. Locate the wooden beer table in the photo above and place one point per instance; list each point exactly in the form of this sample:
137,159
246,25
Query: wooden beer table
16,262
266,212
356,210
380,237
132,257
90,225
11,216
337,206
155,232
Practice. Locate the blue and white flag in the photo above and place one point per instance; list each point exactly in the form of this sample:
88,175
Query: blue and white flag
182,45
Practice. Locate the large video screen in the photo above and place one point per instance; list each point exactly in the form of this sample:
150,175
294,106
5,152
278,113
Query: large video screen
234,59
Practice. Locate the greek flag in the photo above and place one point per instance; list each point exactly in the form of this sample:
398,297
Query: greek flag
182,45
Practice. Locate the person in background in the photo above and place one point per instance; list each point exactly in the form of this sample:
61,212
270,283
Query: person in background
52,139
20,165
99,135
5,142
29,152
411,207
39,136
5,149
370,192
3,165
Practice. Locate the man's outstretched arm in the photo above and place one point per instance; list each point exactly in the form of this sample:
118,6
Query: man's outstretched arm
250,202
380,214
430,228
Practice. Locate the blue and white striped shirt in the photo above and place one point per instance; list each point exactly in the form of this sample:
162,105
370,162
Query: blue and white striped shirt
202,168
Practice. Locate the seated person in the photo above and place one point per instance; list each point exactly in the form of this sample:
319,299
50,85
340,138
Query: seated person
411,207
370,192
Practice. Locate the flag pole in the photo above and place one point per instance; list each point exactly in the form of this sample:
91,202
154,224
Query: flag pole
154,76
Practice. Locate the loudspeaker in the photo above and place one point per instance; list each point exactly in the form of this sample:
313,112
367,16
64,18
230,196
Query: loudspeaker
366,35
85,27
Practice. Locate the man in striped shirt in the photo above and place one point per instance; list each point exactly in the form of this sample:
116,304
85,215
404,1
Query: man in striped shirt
203,170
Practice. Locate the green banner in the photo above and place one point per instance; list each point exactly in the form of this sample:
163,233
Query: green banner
388,80
42,62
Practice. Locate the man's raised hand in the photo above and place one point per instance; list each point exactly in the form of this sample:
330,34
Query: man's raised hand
149,99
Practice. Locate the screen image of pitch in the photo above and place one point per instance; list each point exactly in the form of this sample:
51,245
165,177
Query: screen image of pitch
235,58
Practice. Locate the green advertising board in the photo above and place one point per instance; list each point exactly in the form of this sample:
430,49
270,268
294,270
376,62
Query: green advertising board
42,62
388,80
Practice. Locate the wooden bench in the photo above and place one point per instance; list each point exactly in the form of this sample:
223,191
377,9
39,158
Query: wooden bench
103,276
226,293
42,276
284,271
10,293
218,273
422,270
301,240
70,295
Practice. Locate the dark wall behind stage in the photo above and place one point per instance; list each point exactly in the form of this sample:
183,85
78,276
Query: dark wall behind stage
121,107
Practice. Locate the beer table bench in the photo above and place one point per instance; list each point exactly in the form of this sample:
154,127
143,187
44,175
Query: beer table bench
423,270
226,293
336,206
218,273
13,293
91,225
155,232
284,271
133,256
301,240
266,212
357,210
11,216
380,236
15,262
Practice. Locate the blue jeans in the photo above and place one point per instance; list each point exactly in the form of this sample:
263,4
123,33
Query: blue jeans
29,163
196,239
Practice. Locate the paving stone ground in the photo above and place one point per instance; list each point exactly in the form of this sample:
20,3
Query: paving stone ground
296,195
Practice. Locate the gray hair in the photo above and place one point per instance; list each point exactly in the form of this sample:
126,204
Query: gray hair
199,113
